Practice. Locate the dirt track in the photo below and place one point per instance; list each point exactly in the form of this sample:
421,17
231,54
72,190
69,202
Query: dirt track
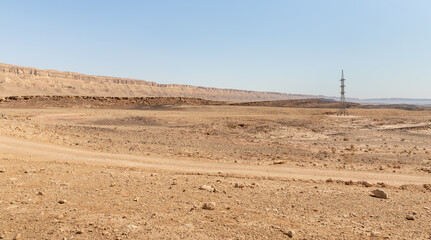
48,152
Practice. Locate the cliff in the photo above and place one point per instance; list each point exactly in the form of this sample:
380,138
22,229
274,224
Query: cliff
22,81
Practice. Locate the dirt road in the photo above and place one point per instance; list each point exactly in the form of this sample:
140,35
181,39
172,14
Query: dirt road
48,152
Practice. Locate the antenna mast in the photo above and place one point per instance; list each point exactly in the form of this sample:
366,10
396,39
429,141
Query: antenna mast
342,110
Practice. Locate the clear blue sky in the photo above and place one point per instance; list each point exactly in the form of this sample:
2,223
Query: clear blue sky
384,46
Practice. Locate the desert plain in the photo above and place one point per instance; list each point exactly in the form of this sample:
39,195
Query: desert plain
194,170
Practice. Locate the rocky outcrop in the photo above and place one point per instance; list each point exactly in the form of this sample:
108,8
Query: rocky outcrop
100,102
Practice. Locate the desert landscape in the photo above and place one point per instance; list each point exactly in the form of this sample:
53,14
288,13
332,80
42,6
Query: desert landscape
215,120
187,168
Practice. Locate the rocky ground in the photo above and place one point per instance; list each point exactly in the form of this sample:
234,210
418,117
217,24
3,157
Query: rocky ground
53,196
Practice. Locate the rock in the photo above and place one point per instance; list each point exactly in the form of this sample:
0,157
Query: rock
40,193
290,233
375,234
209,206
350,182
17,237
367,184
378,193
410,217
189,225
239,185
276,227
206,187
80,231
132,227
62,201
2,170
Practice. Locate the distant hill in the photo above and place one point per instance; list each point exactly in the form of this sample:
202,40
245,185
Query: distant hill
411,101
300,103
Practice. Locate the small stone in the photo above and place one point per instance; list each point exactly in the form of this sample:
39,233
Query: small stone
276,227
62,201
2,170
375,234
136,199
350,182
40,193
189,225
378,193
209,206
207,188
367,184
17,237
132,227
80,231
239,185
290,233
410,217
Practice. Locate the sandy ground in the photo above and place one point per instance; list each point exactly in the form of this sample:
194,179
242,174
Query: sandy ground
136,174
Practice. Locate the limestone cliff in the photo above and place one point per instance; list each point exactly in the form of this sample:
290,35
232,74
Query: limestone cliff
21,81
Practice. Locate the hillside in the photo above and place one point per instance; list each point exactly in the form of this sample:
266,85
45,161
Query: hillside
24,81
409,101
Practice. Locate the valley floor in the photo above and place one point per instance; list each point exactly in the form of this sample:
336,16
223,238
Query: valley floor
80,173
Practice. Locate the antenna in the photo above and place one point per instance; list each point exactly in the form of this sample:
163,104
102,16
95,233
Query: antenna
343,105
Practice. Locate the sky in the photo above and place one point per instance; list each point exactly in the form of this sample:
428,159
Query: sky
289,46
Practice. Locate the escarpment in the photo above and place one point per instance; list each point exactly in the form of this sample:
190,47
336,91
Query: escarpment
23,81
